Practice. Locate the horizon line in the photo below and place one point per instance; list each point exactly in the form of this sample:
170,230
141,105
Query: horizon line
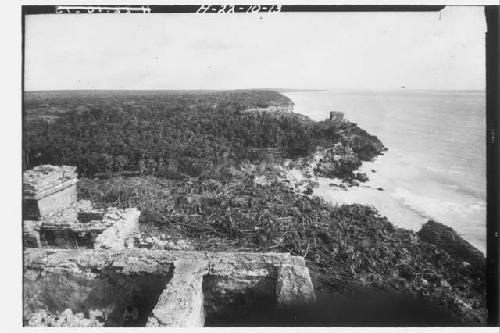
262,89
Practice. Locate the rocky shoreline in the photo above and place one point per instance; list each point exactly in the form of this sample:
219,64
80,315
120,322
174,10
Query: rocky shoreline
340,163
270,206
208,176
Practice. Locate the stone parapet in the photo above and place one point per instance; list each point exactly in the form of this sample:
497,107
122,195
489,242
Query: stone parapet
194,280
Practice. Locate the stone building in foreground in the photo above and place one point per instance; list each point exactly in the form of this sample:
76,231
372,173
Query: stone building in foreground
80,270
52,216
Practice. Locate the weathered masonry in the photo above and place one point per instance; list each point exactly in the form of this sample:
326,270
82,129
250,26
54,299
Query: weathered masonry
164,288
78,270
48,190
336,116
53,217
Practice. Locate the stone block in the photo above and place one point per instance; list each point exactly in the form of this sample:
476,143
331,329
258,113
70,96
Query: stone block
181,303
124,223
47,190
294,286
38,208
31,233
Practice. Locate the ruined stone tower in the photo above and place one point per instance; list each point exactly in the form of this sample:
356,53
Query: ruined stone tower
336,116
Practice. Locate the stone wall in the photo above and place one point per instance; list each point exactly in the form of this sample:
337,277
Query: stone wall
47,190
184,298
45,207
106,229
336,116
98,275
53,217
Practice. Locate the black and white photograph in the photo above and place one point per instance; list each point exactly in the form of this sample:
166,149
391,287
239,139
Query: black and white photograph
263,165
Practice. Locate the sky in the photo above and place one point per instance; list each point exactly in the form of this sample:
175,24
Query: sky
433,50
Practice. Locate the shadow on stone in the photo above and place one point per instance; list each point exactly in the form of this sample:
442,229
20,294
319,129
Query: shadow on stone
104,297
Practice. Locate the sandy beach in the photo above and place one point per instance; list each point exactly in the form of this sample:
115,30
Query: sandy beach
424,174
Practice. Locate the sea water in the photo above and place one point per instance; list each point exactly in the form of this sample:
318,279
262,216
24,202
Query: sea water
435,166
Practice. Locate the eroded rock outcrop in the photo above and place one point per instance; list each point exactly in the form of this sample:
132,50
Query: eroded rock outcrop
447,239
366,146
338,161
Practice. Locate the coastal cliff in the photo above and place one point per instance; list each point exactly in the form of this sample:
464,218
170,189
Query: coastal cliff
211,175
447,239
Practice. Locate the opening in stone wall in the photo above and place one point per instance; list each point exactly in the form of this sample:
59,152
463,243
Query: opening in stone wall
230,301
68,238
106,299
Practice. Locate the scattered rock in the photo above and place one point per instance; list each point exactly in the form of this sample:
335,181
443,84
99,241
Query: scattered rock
362,177
161,243
66,318
445,284
314,184
432,277
406,271
285,186
308,190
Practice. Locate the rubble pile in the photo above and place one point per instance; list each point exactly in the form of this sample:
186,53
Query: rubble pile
66,318
161,242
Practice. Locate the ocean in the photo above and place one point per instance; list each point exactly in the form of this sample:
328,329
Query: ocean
435,166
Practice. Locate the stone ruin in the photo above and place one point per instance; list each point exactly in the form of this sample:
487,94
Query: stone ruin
336,116
78,270
53,217
168,288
